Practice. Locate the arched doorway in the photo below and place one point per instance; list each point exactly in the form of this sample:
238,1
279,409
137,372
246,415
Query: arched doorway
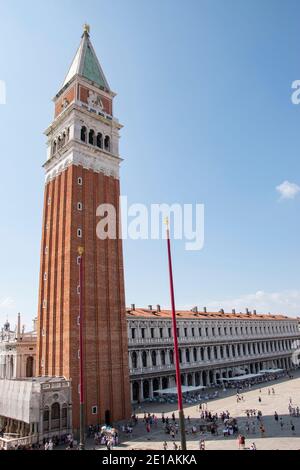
204,378
146,389
135,391
190,380
155,385
197,379
55,416
165,382
29,367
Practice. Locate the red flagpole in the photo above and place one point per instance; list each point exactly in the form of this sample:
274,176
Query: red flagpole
176,350
81,368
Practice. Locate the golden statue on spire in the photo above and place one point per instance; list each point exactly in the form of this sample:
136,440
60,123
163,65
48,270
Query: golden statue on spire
86,28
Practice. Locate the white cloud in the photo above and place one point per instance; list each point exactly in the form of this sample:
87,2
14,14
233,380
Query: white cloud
285,302
288,190
7,303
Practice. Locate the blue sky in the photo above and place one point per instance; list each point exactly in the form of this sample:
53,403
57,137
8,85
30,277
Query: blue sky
204,93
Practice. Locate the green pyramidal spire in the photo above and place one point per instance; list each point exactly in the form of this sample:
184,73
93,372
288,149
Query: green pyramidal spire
86,64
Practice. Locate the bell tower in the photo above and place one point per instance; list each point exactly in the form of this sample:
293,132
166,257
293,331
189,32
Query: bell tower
82,172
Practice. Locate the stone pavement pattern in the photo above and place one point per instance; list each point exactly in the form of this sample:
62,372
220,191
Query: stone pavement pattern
275,438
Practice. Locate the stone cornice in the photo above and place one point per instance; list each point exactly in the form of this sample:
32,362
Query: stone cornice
63,118
78,154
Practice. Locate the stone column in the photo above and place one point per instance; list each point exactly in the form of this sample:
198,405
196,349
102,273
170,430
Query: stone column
139,360
193,379
205,355
158,357
131,392
151,388
141,391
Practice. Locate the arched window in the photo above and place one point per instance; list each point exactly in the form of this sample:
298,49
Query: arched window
163,357
54,148
187,355
83,134
59,142
46,418
171,355
29,367
195,354
92,137
64,415
208,354
144,359
55,416
134,360
107,143
153,355
99,140
202,354
63,139
180,356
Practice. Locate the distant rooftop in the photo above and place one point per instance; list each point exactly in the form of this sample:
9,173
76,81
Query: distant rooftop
202,315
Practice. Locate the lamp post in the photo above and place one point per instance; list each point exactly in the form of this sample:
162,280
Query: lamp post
176,350
81,369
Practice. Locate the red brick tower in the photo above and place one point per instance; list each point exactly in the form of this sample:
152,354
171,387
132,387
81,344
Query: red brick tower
82,172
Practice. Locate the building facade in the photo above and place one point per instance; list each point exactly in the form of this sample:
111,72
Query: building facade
17,351
82,174
31,408
213,345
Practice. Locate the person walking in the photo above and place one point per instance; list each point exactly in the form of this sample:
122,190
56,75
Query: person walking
202,445
293,428
241,442
262,430
165,445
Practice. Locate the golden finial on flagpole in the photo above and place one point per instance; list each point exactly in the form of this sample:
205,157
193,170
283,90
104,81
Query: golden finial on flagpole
80,250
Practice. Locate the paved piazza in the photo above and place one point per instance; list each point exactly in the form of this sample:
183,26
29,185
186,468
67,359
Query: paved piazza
275,438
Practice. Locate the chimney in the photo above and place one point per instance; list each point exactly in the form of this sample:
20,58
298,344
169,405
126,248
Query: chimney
254,312
158,308
195,309
233,311
204,309
222,310
150,308
133,307
247,310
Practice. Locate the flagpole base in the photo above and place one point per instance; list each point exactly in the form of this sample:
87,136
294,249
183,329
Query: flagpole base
182,429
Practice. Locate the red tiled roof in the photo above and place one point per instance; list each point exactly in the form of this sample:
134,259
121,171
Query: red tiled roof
146,313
